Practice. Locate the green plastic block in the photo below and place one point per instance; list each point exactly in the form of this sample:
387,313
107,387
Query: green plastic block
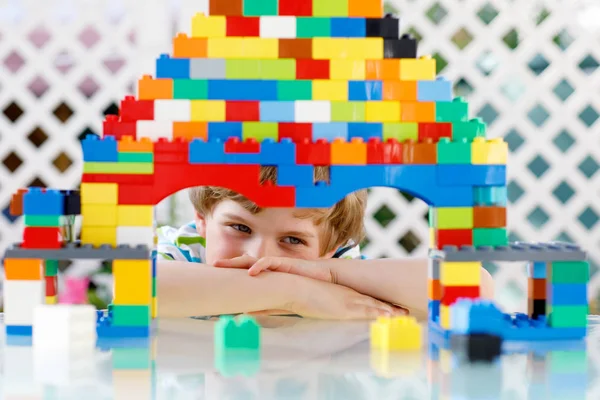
489,195
569,272
136,157
240,334
330,8
281,69
452,111
131,358
401,131
44,220
242,69
118,168
568,362
454,218
153,287
468,130
490,237
131,315
260,130
51,268
257,8
568,316
294,90
344,111
237,363
190,89
309,27
457,152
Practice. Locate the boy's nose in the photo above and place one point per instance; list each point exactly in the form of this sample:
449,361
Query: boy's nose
262,248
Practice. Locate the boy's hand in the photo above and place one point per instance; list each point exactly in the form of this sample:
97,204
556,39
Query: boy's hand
310,269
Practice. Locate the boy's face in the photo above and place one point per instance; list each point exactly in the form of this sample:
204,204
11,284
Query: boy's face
232,231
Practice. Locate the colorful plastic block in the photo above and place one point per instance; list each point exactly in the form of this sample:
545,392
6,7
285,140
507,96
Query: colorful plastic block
398,333
237,334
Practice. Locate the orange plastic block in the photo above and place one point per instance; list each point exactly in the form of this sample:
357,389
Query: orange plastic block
128,144
16,203
190,130
383,70
400,91
153,89
536,289
489,217
189,47
365,8
424,152
348,153
434,289
24,269
418,112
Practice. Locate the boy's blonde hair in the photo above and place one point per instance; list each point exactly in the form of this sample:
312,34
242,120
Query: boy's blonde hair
339,225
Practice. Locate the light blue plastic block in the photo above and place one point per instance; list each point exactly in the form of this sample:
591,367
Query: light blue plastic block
295,175
471,175
211,152
536,270
365,90
99,150
365,130
224,130
479,316
490,196
567,294
240,89
174,68
343,27
39,202
277,153
330,131
438,90
277,111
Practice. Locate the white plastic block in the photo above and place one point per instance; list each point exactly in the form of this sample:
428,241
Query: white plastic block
68,327
20,300
278,27
135,235
154,130
172,110
313,111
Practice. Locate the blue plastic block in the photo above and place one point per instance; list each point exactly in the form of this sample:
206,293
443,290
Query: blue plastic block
154,267
536,270
99,150
277,153
37,202
365,90
468,316
438,90
242,158
471,175
330,131
277,111
224,130
295,175
348,27
175,68
257,90
568,294
19,330
434,309
211,152
107,331
365,130
490,196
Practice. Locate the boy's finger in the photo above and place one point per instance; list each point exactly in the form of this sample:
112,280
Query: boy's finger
263,264
244,261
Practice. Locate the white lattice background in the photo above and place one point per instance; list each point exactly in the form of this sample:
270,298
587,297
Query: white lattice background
528,68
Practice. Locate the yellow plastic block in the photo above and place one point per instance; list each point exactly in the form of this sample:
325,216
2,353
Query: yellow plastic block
365,48
417,69
397,333
259,48
460,273
51,299
383,111
154,307
99,235
208,110
348,70
324,49
445,316
432,243
99,193
208,26
330,90
229,47
99,215
133,282
492,151
135,215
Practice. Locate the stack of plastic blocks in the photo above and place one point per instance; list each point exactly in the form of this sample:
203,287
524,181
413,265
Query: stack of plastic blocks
237,346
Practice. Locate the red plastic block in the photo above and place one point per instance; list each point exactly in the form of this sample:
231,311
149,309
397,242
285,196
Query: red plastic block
113,126
317,153
452,293
128,179
271,195
312,69
234,145
136,110
176,151
297,8
133,194
236,111
50,285
419,153
297,131
434,130
392,152
454,237
374,151
41,238
243,26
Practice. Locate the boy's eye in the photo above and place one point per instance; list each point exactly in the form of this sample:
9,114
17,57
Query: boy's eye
293,240
241,228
